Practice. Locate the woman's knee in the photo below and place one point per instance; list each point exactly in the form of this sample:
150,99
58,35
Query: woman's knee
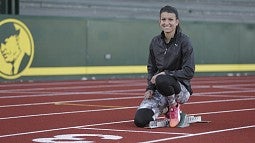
167,85
143,117
183,97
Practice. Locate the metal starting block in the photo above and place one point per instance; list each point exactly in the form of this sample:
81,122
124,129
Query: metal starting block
186,120
158,124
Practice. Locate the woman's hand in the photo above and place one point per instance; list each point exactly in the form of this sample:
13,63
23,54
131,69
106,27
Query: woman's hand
148,94
153,79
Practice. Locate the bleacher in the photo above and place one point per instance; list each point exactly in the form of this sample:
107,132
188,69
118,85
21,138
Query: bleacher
194,10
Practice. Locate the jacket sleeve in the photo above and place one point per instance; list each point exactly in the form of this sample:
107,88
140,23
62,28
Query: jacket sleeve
187,64
151,68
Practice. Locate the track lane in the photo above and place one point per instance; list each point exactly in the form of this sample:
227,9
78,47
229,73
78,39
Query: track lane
240,91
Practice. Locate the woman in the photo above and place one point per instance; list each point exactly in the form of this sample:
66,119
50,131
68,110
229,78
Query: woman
170,68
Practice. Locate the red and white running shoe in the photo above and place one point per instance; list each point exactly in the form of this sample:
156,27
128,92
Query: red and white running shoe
175,115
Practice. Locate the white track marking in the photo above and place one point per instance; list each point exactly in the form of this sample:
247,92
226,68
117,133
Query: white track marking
218,101
135,131
66,128
226,111
86,111
199,134
63,113
84,126
221,81
71,83
43,89
133,97
72,93
223,96
224,92
72,101
69,87
236,86
54,89
199,94
116,91
122,81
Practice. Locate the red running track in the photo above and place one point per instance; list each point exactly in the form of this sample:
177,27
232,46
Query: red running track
103,110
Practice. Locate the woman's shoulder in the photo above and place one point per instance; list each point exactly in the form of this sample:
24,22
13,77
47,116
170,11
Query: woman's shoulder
157,39
184,38
185,41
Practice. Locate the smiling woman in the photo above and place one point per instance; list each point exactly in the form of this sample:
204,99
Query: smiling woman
170,68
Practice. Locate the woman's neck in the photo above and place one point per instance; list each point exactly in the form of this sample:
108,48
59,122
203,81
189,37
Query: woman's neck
169,36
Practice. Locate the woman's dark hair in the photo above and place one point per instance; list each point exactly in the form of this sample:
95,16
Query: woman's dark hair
169,9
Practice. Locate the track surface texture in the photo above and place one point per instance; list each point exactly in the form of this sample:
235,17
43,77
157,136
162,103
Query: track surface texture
95,111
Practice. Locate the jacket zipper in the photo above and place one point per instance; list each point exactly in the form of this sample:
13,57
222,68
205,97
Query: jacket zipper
165,51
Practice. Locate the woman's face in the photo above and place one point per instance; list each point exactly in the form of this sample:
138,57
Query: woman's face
168,22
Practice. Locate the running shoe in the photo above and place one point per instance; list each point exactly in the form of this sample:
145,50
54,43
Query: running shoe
175,116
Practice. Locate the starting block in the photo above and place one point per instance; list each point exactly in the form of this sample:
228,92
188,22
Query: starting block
186,120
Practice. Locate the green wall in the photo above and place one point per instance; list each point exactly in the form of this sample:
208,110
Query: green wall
58,41
81,42
126,41
222,43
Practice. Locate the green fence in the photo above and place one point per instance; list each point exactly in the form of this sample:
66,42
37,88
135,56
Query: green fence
79,47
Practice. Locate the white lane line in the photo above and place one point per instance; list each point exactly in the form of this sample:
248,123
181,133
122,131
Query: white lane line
135,131
30,90
222,81
72,101
120,81
236,87
82,126
115,91
85,111
87,82
71,83
132,97
62,113
224,92
224,96
226,111
199,134
66,128
16,90
110,91
219,101
80,87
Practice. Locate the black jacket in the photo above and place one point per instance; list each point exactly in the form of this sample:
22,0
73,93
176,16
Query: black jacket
176,58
